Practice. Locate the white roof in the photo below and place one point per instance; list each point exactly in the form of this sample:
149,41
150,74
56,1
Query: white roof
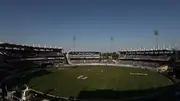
1,42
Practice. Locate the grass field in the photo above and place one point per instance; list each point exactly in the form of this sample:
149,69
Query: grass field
65,82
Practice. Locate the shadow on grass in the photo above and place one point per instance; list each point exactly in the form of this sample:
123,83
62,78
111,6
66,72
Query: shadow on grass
3,74
36,74
159,94
21,80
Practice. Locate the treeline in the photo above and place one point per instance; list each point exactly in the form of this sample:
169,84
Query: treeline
109,55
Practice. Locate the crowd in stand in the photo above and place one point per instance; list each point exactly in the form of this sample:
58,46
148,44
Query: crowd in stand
83,57
146,57
49,54
84,61
139,63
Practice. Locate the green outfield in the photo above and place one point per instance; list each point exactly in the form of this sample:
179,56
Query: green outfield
67,81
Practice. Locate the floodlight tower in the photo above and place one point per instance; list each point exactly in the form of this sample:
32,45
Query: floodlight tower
111,43
74,43
156,34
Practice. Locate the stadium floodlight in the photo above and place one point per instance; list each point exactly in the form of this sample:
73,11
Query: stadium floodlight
111,40
74,44
156,34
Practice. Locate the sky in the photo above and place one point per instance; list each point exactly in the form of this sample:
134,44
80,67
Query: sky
131,23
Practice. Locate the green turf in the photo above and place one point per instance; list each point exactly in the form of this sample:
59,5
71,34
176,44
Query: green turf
65,82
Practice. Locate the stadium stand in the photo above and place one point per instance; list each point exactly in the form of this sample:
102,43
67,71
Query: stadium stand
15,59
13,53
83,57
146,58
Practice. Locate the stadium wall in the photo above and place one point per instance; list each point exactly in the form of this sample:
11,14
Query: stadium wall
105,64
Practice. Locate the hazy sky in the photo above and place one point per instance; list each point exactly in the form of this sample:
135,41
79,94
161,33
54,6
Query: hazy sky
93,22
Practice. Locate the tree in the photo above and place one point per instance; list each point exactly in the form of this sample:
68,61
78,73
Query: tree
115,55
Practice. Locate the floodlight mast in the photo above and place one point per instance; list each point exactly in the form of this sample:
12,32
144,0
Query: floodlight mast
74,43
111,43
156,34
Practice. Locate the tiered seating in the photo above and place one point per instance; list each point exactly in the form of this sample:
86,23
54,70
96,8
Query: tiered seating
79,57
23,55
84,61
139,63
146,57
